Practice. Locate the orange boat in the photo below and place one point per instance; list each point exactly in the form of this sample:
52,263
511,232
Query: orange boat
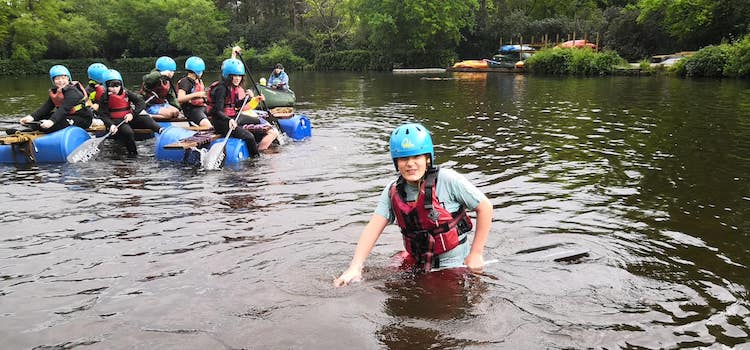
471,64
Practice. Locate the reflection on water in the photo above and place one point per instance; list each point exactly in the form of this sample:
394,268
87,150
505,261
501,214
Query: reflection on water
644,174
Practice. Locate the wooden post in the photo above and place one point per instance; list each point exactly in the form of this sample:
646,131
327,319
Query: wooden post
597,41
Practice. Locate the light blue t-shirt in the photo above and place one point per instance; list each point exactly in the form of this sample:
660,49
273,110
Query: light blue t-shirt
453,190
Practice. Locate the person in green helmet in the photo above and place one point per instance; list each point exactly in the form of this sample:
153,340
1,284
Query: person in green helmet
429,204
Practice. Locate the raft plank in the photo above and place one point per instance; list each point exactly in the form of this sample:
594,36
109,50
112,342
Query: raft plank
188,144
21,137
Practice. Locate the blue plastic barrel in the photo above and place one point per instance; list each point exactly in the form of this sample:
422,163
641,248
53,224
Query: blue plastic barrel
235,152
168,136
50,148
297,127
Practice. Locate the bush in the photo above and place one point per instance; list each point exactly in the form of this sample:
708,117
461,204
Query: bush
281,53
354,60
738,64
707,62
559,61
550,61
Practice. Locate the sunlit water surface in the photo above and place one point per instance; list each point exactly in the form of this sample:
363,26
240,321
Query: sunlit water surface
650,176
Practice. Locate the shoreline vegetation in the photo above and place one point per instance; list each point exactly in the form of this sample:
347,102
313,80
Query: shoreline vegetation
717,61
375,35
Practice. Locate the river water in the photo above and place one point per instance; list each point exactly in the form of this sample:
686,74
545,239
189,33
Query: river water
648,175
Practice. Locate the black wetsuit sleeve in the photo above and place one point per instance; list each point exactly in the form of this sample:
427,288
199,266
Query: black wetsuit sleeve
139,104
218,94
104,111
44,110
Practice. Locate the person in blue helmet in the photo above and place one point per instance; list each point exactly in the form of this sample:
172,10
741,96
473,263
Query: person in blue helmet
191,93
66,105
120,105
225,99
95,89
158,84
429,204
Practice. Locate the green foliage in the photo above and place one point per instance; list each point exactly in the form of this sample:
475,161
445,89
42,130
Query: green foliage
574,62
404,27
707,62
281,53
201,39
354,60
550,61
28,38
738,64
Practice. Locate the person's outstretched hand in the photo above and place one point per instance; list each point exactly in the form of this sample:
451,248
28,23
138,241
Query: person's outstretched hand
351,274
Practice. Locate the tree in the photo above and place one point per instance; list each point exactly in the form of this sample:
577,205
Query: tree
415,28
198,39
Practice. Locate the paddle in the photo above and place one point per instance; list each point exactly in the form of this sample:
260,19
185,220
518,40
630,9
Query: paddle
543,253
89,149
215,155
16,129
273,118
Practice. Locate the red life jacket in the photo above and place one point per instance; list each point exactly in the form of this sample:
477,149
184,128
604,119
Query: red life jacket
197,87
232,100
428,229
119,105
161,89
57,96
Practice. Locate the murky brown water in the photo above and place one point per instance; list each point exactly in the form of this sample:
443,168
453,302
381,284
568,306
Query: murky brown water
650,175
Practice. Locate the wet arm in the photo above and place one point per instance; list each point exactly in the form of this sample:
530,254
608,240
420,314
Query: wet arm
484,210
366,242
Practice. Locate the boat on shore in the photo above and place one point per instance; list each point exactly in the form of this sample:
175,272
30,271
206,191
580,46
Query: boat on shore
508,59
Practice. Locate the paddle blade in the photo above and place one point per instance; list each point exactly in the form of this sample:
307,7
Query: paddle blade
253,102
85,151
214,157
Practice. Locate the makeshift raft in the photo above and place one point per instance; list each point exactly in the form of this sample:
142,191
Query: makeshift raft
182,145
37,147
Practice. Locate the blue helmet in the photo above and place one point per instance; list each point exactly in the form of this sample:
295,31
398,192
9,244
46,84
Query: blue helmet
111,74
95,72
232,66
165,63
59,69
196,65
411,140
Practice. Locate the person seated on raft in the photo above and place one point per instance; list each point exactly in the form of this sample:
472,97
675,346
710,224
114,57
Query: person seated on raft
116,107
225,99
95,89
278,79
65,106
158,83
191,93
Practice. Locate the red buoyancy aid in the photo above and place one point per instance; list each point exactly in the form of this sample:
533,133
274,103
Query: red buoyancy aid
119,105
161,90
197,87
57,96
232,100
427,227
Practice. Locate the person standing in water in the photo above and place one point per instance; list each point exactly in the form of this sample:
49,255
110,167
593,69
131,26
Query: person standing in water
429,205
